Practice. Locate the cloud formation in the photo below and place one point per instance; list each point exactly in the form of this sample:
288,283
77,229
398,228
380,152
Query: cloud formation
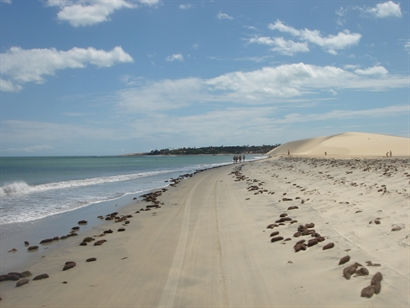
265,86
386,9
331,43
19,66
89,12
224,16
280,45
175,57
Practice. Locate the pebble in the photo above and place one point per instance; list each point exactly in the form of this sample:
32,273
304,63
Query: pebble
344,260
328,246
68,265
21,282
41,276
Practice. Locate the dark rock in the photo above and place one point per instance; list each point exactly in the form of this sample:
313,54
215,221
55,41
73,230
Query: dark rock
369,263
276,238
26,243
377,277
83,243
46,241
274,233
344,260
88,239
100,217
13,250
11,277
367,292
377,286
328,246
287,199
41,276
32,248
271,226
362,272
22,282
299,246
68,265
350,270
121,230
297,234
312,242
25,274
76,228
294,207
396,228
91,259
108,231
283,215
99,243
310,225
320,238
82,222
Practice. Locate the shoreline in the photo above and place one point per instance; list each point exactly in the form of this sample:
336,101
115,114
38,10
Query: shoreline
210,236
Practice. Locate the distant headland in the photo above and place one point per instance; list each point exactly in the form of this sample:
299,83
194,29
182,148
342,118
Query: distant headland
213,150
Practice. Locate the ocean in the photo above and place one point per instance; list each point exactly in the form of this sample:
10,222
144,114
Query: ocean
33,188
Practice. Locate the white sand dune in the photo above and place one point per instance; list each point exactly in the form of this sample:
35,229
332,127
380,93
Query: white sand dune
348,144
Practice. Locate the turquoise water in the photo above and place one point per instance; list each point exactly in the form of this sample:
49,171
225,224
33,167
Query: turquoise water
32,188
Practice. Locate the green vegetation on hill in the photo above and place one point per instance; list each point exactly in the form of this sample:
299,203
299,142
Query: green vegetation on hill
244,149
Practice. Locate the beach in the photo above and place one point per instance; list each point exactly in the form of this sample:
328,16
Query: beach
286,231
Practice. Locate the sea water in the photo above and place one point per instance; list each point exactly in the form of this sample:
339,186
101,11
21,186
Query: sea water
33,188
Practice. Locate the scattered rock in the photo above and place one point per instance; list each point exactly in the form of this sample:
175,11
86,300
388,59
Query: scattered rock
283,215
377,277
22,282
396,228
299,246
121,230
294,207
328,246
68,265
276,238
312,242
367,292
32,248
350,270
287,199
344,260
82,222
41,276
91,259
108,231
13,250
310,225
99,243
362,272
369,263
26,243
274,233
25,274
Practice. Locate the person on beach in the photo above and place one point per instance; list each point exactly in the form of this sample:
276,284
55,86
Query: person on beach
243,157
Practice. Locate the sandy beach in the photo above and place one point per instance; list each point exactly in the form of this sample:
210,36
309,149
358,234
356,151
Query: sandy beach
282,232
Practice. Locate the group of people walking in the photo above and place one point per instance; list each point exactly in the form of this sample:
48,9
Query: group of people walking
238,158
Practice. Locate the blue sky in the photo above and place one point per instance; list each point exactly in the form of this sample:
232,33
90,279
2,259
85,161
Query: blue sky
102,77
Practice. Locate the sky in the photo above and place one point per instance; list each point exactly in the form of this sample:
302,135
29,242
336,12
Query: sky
106,77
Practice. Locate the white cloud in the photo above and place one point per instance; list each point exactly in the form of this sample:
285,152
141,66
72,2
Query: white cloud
266,86
224,16
407,46
19,66
175,57
5,1
331,43
280,45
89,12
386,9
186,6
375,70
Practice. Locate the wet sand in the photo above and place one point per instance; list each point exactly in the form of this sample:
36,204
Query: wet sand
227,237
